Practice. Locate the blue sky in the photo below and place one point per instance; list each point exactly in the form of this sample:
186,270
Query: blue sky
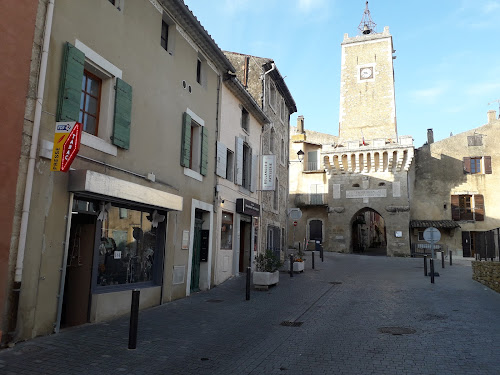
448,54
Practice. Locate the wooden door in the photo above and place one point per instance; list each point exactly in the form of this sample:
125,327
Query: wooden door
466,245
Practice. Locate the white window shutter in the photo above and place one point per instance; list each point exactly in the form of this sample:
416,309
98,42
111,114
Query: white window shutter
221,159
253,171
239,161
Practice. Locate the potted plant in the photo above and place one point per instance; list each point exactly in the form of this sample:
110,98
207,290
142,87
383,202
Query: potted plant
267,265
298,264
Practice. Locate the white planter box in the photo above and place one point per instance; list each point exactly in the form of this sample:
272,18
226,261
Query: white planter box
266,278
298,266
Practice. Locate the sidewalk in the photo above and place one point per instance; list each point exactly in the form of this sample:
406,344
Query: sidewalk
338,312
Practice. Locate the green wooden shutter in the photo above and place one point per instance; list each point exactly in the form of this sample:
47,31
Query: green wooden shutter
186,140
70,84
123,114
204,151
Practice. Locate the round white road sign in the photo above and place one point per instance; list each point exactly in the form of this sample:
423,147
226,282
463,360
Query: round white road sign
432,235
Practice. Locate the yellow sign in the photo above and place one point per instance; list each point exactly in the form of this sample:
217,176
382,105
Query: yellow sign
63,129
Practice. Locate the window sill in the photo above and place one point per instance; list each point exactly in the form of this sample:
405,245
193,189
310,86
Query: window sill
193,174
98,144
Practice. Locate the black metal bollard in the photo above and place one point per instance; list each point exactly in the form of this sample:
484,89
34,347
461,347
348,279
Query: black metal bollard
291,265
312,259
432,270
442,259
134,319
451,254
249,272
425,265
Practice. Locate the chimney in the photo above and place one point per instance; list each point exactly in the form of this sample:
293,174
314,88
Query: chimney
492,116
430,136
300,125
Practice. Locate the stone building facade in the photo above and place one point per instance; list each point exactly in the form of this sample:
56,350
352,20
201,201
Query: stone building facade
263,80
454,187
353,190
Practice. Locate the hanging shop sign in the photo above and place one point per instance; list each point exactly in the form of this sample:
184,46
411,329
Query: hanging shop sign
268,172
244,206
67,138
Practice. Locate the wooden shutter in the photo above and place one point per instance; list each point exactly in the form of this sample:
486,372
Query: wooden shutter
70,84
204,151
478,207
466,165
239,161
123,114
455,208
186,140
487,164
254,168
221,160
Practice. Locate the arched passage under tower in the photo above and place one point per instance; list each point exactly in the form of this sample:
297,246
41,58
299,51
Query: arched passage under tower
368,232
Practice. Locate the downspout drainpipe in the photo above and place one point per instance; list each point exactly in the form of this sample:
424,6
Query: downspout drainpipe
264,104
34,145
216,180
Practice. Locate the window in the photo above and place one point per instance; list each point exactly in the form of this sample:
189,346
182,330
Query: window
467,207
316,195
475,140
421,235
96,96
164,35
230,165
226,231
272,140
275,196
247,161
312,160
89,102
477,165
282,151
272,95
282,110
130,248
194,145
198,71
273,240
245,120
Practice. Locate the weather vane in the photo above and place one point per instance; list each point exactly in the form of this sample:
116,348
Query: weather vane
367,26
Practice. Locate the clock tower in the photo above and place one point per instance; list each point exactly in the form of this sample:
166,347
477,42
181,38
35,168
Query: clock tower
367,98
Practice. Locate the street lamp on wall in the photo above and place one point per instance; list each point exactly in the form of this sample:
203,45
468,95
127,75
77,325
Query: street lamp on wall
300,157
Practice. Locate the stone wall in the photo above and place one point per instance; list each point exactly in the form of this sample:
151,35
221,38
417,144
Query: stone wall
487,273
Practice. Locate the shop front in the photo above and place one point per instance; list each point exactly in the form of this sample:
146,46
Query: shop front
117,236
248,229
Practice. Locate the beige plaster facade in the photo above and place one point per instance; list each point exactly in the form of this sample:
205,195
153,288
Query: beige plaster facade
441,172
61,269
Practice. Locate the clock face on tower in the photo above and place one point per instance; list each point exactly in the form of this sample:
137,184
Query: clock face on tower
366,73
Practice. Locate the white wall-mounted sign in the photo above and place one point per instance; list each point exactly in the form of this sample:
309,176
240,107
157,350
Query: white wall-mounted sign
374,193
268,172
185,240
398,234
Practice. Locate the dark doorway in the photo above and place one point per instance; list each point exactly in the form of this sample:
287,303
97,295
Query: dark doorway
368,233
245,245
195,264
77,286
316,230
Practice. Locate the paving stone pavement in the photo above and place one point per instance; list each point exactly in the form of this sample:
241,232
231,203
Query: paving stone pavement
452,327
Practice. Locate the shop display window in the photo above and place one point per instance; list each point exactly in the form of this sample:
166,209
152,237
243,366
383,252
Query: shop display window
127,249
226,233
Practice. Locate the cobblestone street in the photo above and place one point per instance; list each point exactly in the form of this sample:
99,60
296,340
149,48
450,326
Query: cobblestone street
359,315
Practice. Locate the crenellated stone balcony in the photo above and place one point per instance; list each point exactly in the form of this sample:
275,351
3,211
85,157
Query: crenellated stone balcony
379,155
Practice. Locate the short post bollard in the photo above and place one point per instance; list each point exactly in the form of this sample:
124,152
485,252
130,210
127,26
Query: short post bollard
134,319
425,265
291,265
249,272
312,259
432,270
451,255
442,259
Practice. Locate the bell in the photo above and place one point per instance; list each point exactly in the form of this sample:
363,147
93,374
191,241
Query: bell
366,30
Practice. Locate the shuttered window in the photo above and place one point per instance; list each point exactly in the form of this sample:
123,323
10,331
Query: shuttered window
70,84
194,145
477,165
186,140
123,114
478,207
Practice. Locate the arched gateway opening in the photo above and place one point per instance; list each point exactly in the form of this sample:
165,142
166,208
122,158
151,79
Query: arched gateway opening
368,234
